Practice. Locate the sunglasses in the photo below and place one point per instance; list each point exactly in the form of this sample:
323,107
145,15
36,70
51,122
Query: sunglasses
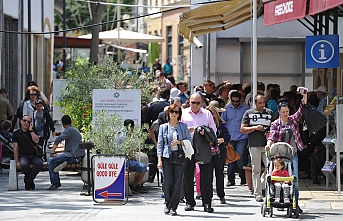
234,101
33,94
174,112
197,103
26,121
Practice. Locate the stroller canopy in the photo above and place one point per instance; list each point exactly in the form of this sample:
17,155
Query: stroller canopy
282,150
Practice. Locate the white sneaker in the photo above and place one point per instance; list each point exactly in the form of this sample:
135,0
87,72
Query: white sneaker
259,198
60,167
276,200
286,200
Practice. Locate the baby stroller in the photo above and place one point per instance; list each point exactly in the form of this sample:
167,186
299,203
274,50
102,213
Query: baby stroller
6,153
285,152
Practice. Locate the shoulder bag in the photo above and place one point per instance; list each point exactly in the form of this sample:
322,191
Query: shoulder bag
176,156
38,148
231,154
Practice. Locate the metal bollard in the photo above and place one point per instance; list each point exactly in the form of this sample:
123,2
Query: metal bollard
13,177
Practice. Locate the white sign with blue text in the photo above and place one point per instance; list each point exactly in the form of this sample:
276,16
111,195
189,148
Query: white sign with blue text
322,51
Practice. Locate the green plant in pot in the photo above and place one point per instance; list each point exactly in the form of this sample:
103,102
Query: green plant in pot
110,136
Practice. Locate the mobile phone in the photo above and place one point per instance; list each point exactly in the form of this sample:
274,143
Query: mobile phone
302,90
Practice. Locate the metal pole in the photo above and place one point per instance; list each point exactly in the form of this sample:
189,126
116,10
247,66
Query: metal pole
64,37
2,78
21,50
118,29
254,49
29,47
208,52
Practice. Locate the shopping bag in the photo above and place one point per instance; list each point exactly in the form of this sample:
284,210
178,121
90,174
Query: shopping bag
231,154
314,119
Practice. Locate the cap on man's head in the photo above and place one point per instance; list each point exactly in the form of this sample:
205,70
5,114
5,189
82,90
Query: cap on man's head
174,92
39,101
321,89
216,106
201,93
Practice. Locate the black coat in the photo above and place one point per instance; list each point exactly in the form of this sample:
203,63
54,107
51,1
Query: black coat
201,144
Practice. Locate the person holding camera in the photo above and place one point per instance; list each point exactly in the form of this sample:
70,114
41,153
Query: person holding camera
255,123
174,144
24,141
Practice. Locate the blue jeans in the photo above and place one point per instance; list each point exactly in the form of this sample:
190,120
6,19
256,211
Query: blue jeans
55,161
137,166
240,146
173,174
296,174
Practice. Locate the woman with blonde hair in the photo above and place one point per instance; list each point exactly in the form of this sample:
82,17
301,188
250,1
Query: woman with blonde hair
219,152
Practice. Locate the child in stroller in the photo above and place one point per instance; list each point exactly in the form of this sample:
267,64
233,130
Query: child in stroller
280,174
279,171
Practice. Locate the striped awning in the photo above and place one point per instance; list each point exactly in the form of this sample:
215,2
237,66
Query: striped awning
214,17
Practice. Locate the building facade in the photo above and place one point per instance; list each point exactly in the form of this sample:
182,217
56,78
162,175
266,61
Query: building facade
25,57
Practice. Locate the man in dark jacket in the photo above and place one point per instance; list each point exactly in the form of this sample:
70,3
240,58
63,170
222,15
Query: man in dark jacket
158,106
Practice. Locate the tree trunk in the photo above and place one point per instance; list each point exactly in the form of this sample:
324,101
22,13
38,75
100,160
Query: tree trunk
96,13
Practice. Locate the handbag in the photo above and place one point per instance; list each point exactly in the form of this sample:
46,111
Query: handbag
177,156
38,148
231,154
313,118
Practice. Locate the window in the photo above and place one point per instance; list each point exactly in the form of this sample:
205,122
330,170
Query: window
169,41
181,45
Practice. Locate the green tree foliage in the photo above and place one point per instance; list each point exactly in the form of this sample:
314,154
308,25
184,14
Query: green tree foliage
78,15
82,78
110,136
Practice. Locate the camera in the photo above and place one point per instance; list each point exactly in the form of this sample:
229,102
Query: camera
197,43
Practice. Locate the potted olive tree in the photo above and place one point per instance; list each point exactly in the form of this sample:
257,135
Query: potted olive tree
76,101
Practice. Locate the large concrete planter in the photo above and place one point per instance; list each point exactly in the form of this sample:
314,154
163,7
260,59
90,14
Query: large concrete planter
248,175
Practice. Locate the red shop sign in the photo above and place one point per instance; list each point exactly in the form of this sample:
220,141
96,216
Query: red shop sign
317,6
283,10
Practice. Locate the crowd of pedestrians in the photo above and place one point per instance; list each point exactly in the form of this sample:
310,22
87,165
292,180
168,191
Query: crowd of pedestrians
216,116
189,130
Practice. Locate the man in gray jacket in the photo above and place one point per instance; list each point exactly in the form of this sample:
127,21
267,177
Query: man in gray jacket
72,153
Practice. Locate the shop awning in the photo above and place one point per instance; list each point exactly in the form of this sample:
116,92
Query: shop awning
214,17
72,42
317,6
130,49
283,10
125,36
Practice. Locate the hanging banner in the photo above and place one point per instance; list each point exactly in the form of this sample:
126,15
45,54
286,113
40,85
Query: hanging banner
317,6
109,177
283,10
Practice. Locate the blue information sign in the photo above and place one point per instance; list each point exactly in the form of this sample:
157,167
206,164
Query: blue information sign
322,51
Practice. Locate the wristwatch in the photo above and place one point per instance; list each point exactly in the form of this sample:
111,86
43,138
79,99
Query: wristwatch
30,131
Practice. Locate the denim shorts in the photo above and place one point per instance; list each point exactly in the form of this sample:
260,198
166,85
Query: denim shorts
137,166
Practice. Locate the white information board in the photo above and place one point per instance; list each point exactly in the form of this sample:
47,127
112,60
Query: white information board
58,86
123,102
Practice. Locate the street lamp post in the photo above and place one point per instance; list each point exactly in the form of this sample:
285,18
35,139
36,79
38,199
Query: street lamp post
118,29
